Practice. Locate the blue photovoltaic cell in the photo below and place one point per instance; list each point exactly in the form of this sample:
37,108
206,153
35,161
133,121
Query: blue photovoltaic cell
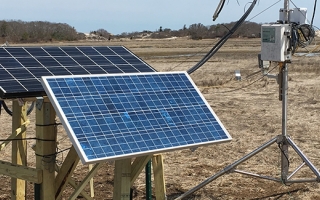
115,116
27,64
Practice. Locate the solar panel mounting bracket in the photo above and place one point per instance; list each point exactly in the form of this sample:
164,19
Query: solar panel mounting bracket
20,101
2,90
39,102
193,149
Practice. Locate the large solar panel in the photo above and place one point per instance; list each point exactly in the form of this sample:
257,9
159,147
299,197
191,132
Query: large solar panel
22,67
110,117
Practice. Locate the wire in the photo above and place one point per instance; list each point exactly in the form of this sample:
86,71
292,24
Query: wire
300,10
34,138
63,150
302,36
228,91
29,111
191,56
21,139
50,158
314,11
264,10
228,30
311,23
218,10
279,145
223,40
43,125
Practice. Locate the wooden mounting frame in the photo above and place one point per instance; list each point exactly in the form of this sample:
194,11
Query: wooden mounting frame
51,185
19,149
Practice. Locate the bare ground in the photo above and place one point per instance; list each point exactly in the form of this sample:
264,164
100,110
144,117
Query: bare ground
250,110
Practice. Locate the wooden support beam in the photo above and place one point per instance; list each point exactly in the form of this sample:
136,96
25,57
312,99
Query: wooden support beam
66,171
21,172
74,185
122,179
15,133
137,166
19,149
85,181
46,133
158,173
31,99
82,193
91,182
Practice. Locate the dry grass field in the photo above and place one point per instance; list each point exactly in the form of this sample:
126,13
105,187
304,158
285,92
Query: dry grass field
250,110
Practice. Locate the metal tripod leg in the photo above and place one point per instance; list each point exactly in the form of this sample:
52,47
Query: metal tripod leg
304,158
228,168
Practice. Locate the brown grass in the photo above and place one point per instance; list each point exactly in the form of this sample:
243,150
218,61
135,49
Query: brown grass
249,109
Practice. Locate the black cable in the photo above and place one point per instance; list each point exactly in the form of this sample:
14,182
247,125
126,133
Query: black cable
44,125
63,150
21,139
53,154
218,10
279,145
29,111
189,57
250,83
223,40
229,30
314,11
45,156
302,36
6,108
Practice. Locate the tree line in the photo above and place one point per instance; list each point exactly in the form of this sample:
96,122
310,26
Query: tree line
36,31
41,31
200,31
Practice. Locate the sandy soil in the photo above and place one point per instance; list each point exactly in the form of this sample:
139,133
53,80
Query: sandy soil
250,110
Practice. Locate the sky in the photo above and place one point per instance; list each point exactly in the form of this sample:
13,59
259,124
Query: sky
121,16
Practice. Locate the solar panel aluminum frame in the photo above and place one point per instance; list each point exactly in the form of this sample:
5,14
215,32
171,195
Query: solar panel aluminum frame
8,95
76,143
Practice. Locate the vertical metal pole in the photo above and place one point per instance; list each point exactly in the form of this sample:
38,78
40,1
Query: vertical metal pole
284,143
284,71
284,98
286,11
148,181
37,189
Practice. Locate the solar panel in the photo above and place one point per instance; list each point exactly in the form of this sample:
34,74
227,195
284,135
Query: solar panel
22,67
109,117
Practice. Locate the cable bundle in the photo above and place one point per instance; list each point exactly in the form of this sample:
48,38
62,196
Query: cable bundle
302,36
222,40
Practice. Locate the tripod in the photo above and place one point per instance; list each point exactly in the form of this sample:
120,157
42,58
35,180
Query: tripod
283,140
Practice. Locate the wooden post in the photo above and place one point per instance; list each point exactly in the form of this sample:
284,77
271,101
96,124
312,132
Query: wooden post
19,149
46,148
91,182
122,179
158,173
